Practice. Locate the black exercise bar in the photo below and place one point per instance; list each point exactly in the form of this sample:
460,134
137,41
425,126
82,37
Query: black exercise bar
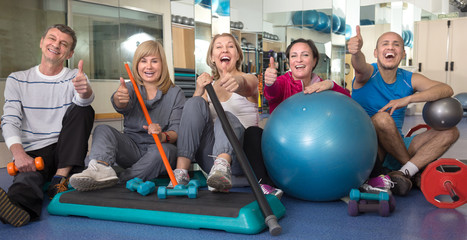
270,219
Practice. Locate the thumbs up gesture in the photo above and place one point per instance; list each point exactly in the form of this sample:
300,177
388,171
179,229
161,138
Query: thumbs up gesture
270,76
229,82
80,82
354,45
122,96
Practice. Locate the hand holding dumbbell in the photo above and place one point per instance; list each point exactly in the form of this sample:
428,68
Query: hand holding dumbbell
13,170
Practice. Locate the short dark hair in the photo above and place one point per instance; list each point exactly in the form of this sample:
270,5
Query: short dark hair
310,43
64,29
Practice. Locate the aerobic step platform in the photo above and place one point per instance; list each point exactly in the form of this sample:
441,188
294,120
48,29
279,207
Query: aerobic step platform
236,212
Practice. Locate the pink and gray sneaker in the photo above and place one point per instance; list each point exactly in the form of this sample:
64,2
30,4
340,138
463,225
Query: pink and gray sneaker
381,181
267,189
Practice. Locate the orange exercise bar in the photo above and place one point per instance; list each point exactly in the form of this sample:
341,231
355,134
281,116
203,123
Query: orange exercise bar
148,119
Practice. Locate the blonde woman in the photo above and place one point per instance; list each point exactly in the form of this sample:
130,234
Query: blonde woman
134,149
201,137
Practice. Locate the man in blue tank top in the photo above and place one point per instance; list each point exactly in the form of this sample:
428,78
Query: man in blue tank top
384,91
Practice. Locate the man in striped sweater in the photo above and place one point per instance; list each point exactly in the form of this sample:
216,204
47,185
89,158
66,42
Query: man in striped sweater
48,114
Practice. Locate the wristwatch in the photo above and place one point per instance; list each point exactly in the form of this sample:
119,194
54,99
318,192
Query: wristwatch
167,136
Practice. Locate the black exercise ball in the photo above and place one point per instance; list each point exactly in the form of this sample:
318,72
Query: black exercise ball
185,20
178,19
442,114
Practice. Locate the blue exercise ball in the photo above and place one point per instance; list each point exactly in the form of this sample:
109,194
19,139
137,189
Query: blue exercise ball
319,146
342,27
310,18
222,7
407,38
410,37
328,27
404,37
364,22
442,114
323,22
204,3
348,32
336,23
297,18
462,97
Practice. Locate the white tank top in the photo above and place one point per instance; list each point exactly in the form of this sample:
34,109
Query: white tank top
246,111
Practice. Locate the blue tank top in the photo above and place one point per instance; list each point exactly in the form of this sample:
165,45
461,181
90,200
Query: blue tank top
376,93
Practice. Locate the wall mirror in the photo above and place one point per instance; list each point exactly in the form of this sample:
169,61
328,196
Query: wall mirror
325,22
203,33
183,35
396,16
220,16
25,42
211,17
109,32
246,25
300,19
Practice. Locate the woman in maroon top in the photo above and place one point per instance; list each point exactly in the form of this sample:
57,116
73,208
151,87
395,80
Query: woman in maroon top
303,57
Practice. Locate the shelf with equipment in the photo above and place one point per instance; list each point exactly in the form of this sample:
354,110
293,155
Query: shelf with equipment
251,48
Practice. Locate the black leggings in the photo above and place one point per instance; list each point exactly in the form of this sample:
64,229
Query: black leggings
252,148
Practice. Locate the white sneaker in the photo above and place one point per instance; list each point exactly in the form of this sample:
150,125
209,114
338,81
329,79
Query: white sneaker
181,177
220,176
96,176
218,190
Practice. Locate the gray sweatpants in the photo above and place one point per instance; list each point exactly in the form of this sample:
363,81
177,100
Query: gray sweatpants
199,138
143,161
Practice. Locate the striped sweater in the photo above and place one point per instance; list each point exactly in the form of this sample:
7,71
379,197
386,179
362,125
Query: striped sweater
35,105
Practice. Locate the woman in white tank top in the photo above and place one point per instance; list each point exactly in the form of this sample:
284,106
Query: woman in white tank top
238,94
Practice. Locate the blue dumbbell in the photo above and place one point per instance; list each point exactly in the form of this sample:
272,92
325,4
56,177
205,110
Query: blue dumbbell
138,185
133,184
194,182
356,195
190,190
146,188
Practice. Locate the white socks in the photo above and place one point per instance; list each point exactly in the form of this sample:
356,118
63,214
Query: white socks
185,171
410,168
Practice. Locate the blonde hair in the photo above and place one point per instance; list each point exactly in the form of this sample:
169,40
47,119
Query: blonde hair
210,62
152,48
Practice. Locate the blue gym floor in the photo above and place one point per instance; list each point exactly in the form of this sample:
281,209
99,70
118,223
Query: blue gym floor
414,218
